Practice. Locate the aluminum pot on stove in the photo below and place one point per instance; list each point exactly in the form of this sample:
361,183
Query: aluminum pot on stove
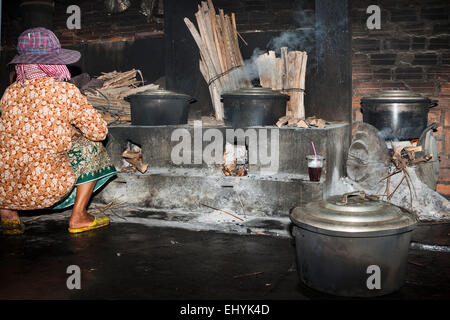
349,245
397,114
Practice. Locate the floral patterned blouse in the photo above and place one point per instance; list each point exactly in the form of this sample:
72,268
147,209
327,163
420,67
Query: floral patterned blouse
35,136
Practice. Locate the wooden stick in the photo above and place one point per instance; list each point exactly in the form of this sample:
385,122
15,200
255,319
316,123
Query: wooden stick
284,77
243,40
301,112
247,274
416,264
138,164
242,205
212,18
130,154
205,22
395,189
229,213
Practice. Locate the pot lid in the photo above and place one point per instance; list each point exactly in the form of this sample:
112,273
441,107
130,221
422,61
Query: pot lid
353,215
257,92
159,93
395,96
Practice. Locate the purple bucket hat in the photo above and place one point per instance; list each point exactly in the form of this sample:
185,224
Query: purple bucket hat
41,46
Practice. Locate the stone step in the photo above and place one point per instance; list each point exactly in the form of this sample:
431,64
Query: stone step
203,220
194,189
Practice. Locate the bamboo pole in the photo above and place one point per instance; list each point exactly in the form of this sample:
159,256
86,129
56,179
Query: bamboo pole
212,72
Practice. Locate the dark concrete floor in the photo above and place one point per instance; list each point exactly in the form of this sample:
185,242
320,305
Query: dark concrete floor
134,261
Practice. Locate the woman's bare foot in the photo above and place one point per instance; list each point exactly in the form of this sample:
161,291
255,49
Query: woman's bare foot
9,214
80,219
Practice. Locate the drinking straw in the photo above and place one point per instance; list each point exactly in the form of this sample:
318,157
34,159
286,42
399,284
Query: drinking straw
314,148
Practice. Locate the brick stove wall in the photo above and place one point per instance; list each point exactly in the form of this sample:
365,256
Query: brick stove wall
411,50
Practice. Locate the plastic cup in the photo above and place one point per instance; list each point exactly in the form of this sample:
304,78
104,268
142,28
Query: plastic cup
315,164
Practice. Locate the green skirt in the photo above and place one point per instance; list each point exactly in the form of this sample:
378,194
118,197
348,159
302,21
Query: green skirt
90,162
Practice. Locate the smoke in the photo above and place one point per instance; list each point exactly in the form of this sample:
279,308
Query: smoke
250,68
301,39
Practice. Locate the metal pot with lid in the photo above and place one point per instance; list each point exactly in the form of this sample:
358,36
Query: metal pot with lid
159,107
255,106
397,114
343,240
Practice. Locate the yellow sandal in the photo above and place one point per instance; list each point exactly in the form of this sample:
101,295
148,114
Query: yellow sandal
12,227
99,222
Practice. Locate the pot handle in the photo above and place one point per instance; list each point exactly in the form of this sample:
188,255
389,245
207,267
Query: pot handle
361,193
344,200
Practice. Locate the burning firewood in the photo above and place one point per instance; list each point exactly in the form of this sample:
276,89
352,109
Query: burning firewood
235,160
134,158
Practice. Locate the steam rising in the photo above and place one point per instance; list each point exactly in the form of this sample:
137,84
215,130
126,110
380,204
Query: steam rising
301,39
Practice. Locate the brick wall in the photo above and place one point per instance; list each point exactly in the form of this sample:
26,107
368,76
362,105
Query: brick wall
410,51
98,26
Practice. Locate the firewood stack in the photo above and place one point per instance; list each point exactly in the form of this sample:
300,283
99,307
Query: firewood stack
221,58
301,123
110,98
286,73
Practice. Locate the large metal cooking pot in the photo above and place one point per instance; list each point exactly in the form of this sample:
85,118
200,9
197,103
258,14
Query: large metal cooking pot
397,114
256,106
340,241
159,107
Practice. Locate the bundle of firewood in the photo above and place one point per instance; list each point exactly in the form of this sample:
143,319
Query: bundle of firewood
286,73
110,97
221,58
301,123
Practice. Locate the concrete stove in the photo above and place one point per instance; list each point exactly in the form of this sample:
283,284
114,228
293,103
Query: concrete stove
191,186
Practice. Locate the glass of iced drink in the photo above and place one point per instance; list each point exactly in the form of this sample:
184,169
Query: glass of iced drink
315,164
